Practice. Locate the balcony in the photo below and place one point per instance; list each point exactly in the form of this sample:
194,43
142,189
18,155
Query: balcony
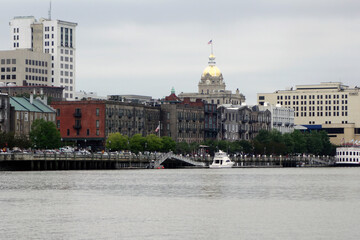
77,114
77,126
245,120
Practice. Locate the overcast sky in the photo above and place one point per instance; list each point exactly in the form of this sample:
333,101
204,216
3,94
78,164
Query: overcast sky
149,46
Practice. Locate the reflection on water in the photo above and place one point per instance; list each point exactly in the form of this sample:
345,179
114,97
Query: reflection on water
294,203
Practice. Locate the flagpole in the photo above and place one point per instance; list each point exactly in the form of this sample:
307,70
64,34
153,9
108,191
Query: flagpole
159,128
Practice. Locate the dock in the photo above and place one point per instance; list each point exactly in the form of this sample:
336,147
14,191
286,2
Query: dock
73,161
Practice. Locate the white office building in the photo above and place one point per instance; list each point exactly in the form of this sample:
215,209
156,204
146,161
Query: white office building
282,119
55,37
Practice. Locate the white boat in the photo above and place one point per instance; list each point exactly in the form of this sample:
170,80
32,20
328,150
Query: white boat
221,160
348,156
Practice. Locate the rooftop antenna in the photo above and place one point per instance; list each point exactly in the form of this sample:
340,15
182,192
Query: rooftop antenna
49,13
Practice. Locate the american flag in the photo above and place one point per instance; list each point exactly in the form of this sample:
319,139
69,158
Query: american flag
158,128
210,42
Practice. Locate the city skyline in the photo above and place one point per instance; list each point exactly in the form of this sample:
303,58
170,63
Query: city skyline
148,47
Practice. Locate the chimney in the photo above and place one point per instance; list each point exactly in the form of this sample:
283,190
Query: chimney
31,98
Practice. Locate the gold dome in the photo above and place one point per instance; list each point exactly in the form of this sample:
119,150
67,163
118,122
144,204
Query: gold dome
214,71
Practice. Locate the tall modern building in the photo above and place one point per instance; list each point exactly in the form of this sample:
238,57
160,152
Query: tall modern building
54,37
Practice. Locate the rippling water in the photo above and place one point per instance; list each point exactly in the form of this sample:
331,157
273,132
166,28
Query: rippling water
288,203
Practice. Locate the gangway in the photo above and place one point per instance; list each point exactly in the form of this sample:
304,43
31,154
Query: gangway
170,155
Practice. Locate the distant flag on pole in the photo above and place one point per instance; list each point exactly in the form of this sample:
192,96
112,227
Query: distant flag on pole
158,128
210,42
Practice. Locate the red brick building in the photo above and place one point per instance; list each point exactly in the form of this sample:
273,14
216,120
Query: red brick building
89,122
82,122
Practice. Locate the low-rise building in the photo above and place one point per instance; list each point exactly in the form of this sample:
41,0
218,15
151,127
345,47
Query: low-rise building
90,122
49,92
241,122
183,121
282,119
25,111
4,113
210,121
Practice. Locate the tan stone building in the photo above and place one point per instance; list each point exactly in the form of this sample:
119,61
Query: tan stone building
330,106
25,111
212,88
23,67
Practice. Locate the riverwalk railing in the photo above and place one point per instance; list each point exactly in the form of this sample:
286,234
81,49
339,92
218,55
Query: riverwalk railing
69,161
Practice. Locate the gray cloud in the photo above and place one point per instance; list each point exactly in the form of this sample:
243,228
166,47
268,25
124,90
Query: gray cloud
146,47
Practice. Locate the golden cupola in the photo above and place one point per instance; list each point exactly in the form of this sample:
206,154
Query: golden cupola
212,69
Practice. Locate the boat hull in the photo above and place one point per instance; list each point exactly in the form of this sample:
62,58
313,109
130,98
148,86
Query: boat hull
221,166
341,164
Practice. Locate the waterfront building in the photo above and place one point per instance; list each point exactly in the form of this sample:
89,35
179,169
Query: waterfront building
54,37
90,122
329,106
183,121
210,121
282,119
24,111
4,113
23,67
212,88
49,92
241,122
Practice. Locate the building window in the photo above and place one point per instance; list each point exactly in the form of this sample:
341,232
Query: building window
58,112
58,123
97,132
97,112
97,123
68,132
88,132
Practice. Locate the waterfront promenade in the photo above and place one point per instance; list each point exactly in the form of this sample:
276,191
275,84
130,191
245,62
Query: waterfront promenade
73,161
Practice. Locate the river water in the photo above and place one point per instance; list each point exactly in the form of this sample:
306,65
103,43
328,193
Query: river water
280,203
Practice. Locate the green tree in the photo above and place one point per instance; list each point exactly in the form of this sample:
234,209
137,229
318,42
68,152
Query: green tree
235,147
314,142
194,146
182,147
168,144
277,145
299,142
153,142
137,143
247,146
44,135
328,148
223,145
117,142
289,143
